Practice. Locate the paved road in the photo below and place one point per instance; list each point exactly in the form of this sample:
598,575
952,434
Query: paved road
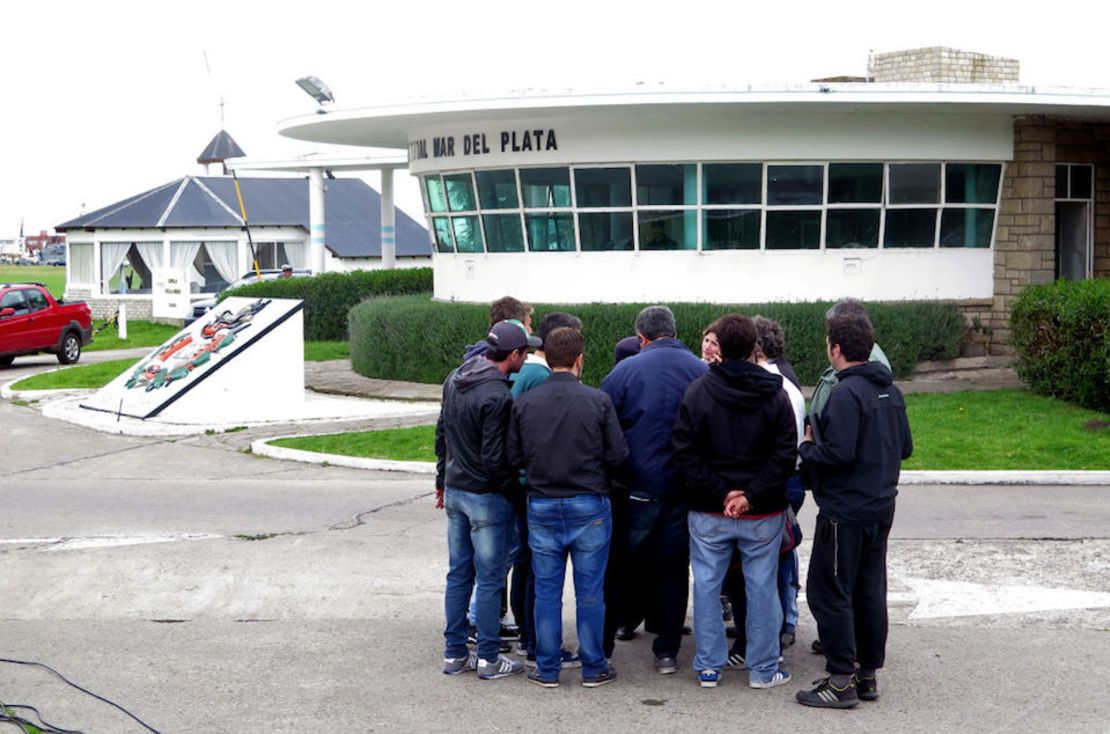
209,590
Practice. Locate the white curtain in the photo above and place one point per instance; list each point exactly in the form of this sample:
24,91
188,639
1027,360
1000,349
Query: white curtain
151,253
183,256
295,255
224,257
81,264
112,255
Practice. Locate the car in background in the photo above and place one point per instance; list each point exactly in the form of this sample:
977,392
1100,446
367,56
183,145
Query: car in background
31,321
200,308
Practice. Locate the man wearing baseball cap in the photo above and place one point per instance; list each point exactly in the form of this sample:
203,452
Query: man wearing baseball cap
475,484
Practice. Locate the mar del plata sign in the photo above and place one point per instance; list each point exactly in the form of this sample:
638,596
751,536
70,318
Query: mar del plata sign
476,144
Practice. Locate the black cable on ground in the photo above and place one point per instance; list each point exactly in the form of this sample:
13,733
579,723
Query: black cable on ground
42,724
113,704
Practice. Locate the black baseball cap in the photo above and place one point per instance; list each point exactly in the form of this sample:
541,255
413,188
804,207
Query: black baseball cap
510,335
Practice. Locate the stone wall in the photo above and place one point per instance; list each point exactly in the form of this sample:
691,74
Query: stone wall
941,65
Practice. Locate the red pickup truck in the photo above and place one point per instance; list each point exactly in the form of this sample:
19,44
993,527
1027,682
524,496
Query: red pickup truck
32,321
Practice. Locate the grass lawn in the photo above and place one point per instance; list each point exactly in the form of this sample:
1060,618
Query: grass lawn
81,376
967,430
399,444
324,351
54,278
139,334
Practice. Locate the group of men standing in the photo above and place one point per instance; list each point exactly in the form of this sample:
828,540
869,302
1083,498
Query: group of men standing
673,464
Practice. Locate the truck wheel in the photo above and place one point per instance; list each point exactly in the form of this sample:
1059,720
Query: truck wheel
6,361
71,349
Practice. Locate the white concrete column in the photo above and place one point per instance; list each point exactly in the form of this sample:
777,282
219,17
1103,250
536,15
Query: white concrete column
389,229
316,229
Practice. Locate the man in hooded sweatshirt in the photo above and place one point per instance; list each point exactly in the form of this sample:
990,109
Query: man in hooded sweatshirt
735,443
477,483
865,435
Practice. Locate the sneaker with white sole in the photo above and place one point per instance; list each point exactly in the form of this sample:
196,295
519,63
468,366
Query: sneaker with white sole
454,666
828,695
502,667
780,677
709,678
736,661
535,677
666,664
606,676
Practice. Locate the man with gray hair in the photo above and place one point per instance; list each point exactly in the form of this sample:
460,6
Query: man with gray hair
646,392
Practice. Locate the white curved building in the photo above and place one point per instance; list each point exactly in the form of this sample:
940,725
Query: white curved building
882,191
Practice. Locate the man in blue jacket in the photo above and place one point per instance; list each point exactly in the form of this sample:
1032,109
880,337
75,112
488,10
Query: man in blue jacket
646,391
865,435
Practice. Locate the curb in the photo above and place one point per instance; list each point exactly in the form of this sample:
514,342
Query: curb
907,478
261,447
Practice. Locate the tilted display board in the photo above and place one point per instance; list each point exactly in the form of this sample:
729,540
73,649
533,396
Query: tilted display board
244,360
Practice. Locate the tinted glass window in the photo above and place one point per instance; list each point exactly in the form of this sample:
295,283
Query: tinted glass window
550,232
437,198
971,183
503,232
1080,182
793,230
855,183
668,230
795,184
732,183
460,192
543,188
852,228
468,237
442,228
14,299
667,185
1061,182
914,183
966,227
36,301
605,231
603,187
910,228
728,229
497,189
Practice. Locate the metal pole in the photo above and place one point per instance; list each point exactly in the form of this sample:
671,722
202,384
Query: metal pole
389,230
316,229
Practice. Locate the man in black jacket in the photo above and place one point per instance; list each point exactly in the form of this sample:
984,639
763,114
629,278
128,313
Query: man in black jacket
735,442
567,438
864,438
476,484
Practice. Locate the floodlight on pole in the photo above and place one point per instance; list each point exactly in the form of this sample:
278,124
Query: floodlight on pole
316,89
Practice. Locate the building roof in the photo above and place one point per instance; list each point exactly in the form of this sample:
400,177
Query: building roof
352,210
222,147
390,125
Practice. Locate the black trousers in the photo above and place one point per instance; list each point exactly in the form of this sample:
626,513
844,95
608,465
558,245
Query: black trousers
846,589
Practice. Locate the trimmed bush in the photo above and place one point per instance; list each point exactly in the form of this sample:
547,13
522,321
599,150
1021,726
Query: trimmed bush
329,296
419,340
1061,333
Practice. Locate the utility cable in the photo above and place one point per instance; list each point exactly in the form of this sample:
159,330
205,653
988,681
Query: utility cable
113,704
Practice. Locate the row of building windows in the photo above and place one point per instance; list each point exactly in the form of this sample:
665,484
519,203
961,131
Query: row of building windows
714,206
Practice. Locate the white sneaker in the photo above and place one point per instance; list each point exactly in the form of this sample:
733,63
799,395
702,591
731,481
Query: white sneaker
500,668
780,677
454,666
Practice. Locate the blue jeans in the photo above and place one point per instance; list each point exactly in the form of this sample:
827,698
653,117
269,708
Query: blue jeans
479,533
712,538
583,526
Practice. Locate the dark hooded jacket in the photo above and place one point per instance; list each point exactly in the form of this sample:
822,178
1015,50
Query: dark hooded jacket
472,428
735,429
865,435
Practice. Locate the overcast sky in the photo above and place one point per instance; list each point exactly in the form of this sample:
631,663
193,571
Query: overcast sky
108,99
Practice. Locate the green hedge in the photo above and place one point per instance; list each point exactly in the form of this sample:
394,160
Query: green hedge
329,296
1061,333
419,340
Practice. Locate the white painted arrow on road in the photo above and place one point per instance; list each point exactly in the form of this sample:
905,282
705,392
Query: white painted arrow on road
938,598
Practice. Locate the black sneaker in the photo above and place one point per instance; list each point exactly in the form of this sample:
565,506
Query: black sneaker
606,676
867,687
535,677
472,639
626,633
509,631
817,647
786,639
828,696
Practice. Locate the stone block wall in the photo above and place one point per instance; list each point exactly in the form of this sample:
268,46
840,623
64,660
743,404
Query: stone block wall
942,65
